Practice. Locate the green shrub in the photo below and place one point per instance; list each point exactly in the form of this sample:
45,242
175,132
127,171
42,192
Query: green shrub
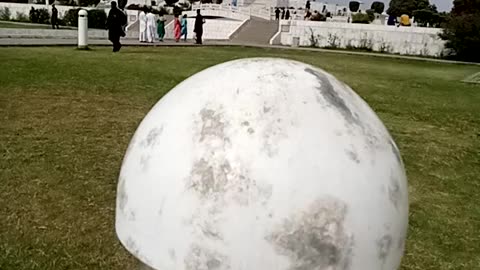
170,2
71,17
86,3
5,14
97,18
160,11
371,14
21,17
319,17
43,16
361,18
177,10
134,7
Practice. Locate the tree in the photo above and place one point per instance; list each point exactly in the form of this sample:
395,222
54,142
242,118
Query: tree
379,7
354,6
462,30
424,17
170,2
85,3
400,7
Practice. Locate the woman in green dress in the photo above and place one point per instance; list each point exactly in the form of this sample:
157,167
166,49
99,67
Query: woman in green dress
161,27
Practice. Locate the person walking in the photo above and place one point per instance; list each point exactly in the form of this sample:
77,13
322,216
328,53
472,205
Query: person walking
115,20
54,18
150,26
184,27
283,13
287,15
142,20
277,14
198,27
161,27
176,28
307,5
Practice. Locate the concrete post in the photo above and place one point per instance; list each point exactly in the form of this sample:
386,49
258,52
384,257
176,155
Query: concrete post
82,29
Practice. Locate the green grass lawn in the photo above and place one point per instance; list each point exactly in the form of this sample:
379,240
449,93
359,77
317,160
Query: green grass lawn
67,117
24,25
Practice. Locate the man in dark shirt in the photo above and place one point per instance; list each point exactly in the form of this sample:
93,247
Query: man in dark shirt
198,28
116,19
54,19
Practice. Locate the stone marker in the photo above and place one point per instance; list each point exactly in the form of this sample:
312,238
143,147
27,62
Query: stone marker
264,164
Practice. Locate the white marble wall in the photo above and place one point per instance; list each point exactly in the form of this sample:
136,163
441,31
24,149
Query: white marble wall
391,39
217,29
25,9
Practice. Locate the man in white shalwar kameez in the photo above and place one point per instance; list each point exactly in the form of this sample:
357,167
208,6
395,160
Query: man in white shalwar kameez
142,19
150,26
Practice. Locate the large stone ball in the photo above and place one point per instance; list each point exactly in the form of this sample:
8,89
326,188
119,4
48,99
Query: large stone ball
263,164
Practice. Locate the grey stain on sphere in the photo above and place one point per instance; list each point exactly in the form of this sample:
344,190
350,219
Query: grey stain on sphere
316,238
331,96
202,258
394,192
172,254
353,156
144,162
212,124
122,194
384,245
152,137
203,178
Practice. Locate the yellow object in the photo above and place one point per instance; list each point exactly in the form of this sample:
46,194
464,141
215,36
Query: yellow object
404,20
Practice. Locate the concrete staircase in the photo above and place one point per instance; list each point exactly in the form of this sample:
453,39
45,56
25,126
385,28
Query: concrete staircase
256,31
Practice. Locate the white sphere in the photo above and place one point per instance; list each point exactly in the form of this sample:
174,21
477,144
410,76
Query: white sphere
265,164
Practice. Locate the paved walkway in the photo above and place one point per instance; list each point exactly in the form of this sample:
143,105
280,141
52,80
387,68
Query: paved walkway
133,42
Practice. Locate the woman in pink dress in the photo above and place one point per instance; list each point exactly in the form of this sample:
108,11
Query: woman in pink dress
176,28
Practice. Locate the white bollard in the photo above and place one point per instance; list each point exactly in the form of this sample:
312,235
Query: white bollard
82,29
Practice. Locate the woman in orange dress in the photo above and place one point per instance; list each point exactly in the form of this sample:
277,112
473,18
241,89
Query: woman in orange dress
176,28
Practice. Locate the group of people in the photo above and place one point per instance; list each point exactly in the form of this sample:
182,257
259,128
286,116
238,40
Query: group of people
151,26
285,14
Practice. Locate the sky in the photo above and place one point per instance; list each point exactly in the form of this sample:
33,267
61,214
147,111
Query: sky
442,5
